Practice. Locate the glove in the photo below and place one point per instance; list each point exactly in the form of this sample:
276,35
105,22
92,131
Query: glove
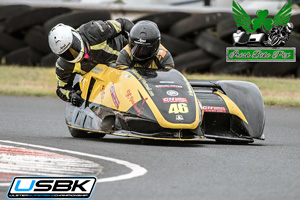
75,98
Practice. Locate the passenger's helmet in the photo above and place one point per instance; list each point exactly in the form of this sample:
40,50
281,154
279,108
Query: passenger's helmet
144,40
66,42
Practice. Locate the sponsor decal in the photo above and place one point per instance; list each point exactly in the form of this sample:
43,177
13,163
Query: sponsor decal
174,100
131,100
96,70
64,47
190,89
261,30
214,109
172,93
51,187
178,108
179,117
144,82
127,75
141,40
114,96
102,94
168,86
166,82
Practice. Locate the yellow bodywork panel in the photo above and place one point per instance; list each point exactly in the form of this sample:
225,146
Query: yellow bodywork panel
232,107
127,90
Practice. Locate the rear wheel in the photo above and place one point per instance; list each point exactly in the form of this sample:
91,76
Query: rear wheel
85,134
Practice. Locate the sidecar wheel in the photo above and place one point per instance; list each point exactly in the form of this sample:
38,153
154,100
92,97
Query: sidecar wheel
84,134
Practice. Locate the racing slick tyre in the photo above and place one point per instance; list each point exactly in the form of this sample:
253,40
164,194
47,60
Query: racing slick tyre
77,18
193,61
212,44
295,19
9,43
294,42
298,72
226,28
164,20
276,69
49,60
1,54
84,134
1,27
37,39
172,44
32,17
25,56
11,10
195,23
223,67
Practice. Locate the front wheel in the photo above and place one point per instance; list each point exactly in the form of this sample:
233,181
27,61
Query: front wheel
84,134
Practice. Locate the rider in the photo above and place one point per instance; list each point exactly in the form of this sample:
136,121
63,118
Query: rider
81,50
145,49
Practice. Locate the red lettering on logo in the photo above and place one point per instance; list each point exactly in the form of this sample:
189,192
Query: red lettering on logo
174,100
214,109
131,100
114,96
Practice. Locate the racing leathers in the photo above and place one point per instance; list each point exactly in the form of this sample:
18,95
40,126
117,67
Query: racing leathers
103,41
162,60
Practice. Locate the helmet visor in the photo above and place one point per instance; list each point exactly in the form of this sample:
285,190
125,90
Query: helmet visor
75,52
144,51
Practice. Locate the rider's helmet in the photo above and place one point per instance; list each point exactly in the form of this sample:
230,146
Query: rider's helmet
66,43
144,40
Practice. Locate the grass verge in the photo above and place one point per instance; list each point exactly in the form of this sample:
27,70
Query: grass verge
275,91
36,81
27,81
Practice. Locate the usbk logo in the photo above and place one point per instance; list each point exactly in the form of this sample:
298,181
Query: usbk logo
51,187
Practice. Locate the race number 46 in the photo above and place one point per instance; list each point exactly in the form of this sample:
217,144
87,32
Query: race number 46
51,187
178,108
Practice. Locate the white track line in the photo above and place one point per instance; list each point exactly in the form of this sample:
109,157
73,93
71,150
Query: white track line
136,169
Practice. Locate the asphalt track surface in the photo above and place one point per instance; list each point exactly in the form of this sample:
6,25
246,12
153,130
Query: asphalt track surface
267,169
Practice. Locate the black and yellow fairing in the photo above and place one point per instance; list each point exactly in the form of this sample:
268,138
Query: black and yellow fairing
233,110
142,103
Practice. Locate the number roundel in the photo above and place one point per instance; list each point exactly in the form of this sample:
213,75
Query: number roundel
176,108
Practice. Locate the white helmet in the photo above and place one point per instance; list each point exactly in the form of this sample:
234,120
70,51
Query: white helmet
66,42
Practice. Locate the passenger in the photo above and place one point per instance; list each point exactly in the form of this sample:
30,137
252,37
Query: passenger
145,49
79,51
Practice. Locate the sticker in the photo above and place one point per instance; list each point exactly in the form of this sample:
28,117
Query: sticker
144,82
174,100
114,96
131,100
172,93
190,89
166,81
178,108
127,75
102,94
179,117
214,109
168,86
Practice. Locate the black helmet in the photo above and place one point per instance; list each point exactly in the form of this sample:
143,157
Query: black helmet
144,40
